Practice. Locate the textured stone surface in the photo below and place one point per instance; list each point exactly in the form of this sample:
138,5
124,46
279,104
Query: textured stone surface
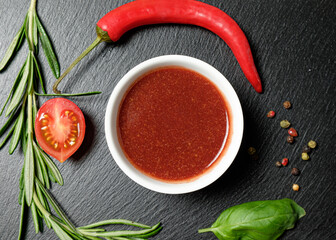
293,43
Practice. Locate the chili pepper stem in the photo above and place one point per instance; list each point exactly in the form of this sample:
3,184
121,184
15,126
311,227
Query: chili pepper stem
83,54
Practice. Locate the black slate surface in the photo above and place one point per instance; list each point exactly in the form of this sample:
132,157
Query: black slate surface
293,43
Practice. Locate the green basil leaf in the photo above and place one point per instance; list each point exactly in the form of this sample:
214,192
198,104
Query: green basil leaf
11,49
48,49
17,131
16,98
29,171
260,220
18,78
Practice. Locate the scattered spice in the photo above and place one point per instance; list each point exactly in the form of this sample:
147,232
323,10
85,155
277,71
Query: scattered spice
306,149
284,162
278,164
295,172
287,104
296,187
255,157
305,156
251,151
271,114
290,139
292,132
285,124
312,144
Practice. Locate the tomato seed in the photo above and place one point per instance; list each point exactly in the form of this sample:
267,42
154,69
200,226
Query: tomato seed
292,132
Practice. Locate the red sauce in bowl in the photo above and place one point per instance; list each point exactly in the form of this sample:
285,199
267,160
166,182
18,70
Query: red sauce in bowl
173,124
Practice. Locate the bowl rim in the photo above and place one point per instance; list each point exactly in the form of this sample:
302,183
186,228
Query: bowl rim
236,123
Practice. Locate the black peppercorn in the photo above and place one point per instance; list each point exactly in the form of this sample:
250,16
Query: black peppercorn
295,172
306,149
278,164
290,139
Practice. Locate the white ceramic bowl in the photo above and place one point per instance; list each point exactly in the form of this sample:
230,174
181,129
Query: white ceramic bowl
235,119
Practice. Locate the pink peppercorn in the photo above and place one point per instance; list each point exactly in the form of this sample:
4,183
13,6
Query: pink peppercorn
292,132
284,162
271,114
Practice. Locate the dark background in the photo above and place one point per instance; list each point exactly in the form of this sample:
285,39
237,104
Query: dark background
293,43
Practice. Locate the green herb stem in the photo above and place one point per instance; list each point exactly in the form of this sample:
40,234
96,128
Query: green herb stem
83,54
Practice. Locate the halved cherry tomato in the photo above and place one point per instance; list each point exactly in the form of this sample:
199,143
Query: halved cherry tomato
59,128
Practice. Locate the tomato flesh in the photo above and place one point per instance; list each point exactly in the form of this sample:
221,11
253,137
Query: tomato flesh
60,128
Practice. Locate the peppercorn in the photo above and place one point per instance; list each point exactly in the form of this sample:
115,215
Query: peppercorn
295,172
305,156
278,164
251,151
284,162
285,124
292,132
255,157
287,104
271,114
296,187
290,139
306,149
312,144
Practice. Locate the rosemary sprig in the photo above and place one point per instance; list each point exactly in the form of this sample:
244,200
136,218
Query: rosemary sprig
38,169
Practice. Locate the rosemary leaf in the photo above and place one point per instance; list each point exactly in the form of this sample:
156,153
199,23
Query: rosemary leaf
42,164
59,231
68,94
44,203
35,216
11,49
38,169
35,40
17,131
52,167
125,233
8,122
56,207
22,216
48,49
154,232
29,171
116,221
7,137
16,99
39,75
18,78
21,193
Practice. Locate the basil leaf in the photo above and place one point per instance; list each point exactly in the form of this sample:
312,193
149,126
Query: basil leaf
260,220
48,49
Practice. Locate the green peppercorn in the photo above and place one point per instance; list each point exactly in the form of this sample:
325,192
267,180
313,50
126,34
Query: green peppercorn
312,144
290,139
285,124
278,164
306,149
305,156
295,172
251,151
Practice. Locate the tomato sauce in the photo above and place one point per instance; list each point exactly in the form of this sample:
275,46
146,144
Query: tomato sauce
173,124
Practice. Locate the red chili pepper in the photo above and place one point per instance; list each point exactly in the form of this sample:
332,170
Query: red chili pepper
145,12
